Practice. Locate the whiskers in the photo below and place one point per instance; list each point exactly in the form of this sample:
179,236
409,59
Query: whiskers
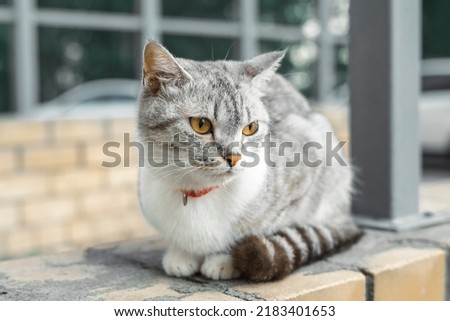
228,51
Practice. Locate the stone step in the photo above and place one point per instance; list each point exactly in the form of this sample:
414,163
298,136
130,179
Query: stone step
381,266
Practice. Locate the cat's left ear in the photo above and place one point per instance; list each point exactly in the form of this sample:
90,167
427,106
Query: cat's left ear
263,67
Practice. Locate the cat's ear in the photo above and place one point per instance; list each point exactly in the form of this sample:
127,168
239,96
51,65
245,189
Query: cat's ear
161,69
261,68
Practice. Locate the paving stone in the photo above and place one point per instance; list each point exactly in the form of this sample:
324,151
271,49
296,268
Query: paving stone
332,286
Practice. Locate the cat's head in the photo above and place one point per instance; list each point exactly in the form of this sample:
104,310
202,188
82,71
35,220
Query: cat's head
187,104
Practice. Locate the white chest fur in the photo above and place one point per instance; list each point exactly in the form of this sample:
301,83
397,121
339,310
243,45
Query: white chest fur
206,224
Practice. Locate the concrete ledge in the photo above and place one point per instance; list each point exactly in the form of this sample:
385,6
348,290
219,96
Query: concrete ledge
382,266
408,274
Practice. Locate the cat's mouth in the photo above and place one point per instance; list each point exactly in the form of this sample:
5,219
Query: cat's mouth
224,173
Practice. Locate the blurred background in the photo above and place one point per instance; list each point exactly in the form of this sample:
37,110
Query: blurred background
69,77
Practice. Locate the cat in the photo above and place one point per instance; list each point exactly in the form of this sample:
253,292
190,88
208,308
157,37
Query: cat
223,214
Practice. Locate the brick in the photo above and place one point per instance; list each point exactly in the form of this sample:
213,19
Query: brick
126,225
125,197
111,157
53,236
134,226
338,118
50,158
78,130
131,199
405,274
210,296
9,217
130,156
20,242
24,185
82,232
4,255
109,229
119,126
20,132
122,176
151,292
94,155
8,161
41,212
98,203
73,180
103,203
331,286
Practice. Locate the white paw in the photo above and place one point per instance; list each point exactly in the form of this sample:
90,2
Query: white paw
180,263
219,267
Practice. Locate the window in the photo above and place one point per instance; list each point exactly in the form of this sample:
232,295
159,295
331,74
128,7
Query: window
5,68
70,57
106,40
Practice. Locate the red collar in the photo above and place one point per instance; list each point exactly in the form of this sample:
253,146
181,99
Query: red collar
199,193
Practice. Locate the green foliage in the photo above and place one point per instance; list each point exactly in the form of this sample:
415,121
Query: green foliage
341,59
5,68
69,57
97,5
209,9
288,69
435,29
286,11
201,48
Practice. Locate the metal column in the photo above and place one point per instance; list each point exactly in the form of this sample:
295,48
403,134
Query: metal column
26,90
249,28
326,73
151,20
384,85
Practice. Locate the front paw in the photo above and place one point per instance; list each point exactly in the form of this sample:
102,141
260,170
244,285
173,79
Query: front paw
179,263
219,267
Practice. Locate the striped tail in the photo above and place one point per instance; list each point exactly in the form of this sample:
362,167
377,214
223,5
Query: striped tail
261,258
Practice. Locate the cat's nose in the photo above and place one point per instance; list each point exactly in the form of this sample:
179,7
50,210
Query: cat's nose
233,159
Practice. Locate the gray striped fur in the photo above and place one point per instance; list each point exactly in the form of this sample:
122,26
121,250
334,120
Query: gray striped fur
295,214
292,248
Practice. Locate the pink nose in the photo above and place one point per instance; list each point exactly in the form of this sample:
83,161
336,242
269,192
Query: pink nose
233,159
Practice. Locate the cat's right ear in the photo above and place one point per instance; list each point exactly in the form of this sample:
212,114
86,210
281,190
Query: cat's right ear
161,69
261,69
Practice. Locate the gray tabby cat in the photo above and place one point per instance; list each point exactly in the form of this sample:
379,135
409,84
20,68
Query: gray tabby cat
223,213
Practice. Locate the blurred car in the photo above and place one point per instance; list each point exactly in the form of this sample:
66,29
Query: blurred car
98,98
434,107
118,97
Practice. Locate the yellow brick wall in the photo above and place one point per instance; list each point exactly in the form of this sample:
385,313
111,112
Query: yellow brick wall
54,193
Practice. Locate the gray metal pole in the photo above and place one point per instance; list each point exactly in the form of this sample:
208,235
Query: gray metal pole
151,20
325,66
5,14
384,85
249,28
25,56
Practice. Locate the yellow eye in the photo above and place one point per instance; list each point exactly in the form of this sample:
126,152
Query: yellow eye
250,129
201,125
